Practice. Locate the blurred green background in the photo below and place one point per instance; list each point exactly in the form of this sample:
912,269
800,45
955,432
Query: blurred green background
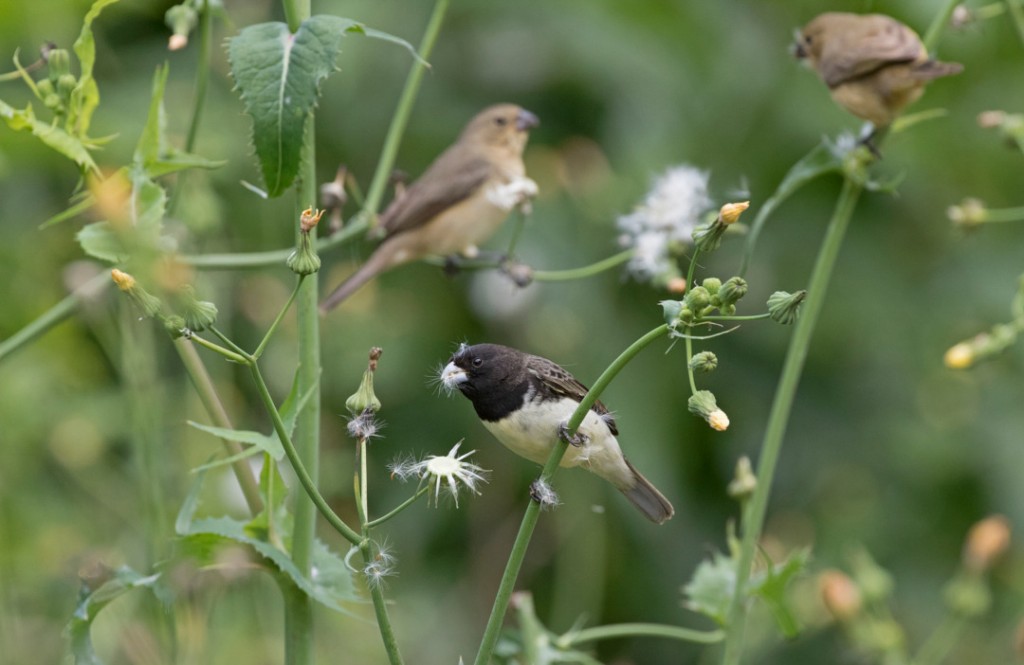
886,448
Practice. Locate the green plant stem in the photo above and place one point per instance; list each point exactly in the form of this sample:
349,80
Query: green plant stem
748,317
280,315
300,469
217,348
939,23
380,607
401,118
522,541
689,369
228,342
201,85
399,508
1004,215
693,267
56,314
941,641
583,271
771,447
641,629
204,387
1017,14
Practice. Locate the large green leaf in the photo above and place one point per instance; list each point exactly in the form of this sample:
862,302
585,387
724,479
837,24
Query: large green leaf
91,601
278,75
51,135
140,236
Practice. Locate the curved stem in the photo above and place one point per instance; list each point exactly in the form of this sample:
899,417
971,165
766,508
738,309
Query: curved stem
518,553
280,315
753,520
401,117
56,314
217,348
399,508
207,393
747,317
300,469
939,644
583,271
641,629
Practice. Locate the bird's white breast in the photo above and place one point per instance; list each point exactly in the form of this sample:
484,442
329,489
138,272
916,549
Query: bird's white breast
532,430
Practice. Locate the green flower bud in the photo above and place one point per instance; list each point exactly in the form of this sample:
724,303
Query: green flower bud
671,309
365,399
732,290
686,315
784,307
712,284
968,595
58,63
875,582
181,19
45,88
147,302
708,237
705,361
703,404
65,85
727,310
198,314
744,482
968,214
304,260
175,326
697,298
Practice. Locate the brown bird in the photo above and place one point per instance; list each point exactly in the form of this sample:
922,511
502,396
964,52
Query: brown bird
873,65
459,202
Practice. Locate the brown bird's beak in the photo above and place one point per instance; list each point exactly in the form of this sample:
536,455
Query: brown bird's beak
797,47
526,121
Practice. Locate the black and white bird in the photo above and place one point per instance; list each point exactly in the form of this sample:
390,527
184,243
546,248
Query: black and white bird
525,401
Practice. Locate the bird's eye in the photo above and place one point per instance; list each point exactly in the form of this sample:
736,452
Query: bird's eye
808,39
478,361
501,121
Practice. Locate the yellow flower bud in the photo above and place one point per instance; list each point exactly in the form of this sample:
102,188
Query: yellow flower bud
731,212
840,595
959,356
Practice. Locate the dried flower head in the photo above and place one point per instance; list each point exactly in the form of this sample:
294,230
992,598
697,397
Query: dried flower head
542,492
449,470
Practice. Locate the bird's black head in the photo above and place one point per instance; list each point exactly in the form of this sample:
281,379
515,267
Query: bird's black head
495,378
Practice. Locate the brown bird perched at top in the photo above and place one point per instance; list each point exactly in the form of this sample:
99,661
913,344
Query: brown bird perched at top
459,202
873,65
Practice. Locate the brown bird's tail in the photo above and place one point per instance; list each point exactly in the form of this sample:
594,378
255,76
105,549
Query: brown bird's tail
647,498
378,262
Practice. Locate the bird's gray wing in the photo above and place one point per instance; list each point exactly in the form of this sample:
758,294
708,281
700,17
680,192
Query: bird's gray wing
450,179
887,42
559,382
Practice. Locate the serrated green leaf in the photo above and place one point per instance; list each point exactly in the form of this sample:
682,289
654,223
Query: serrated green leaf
117,243
100,241
711,589
91,602
278,75
86,95
771,584
51,135
332,581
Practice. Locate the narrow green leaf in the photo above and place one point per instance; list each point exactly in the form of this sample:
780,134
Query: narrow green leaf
262,442
51,135
92,601
85,201
278,75
771,585
86,95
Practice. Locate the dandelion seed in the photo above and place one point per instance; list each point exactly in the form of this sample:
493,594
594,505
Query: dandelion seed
447,471
544,494
364,426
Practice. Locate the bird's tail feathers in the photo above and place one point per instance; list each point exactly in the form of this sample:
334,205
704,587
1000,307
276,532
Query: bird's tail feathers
933,69
378,262
647,499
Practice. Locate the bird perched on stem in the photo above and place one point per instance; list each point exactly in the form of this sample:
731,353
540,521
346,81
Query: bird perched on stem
459,202
873,65
525,401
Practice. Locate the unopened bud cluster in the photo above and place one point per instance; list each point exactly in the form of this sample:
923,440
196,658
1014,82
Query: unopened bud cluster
55,90
703,300
193,314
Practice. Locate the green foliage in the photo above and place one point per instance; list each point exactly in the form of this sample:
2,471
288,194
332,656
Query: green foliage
278,75
92,601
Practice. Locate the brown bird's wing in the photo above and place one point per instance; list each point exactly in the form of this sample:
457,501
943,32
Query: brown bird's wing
559,382
884,41
453,177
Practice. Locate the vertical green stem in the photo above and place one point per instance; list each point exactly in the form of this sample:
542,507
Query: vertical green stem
298,606
215,409
1017,16
753,520
401,117
522,541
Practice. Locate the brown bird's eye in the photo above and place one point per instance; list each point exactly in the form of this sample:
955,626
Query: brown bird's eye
478,361
500,122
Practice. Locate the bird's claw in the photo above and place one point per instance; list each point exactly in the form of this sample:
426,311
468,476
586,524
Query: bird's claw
576,439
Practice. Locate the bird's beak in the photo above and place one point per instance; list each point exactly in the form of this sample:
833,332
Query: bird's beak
452,375
526,121
797,47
